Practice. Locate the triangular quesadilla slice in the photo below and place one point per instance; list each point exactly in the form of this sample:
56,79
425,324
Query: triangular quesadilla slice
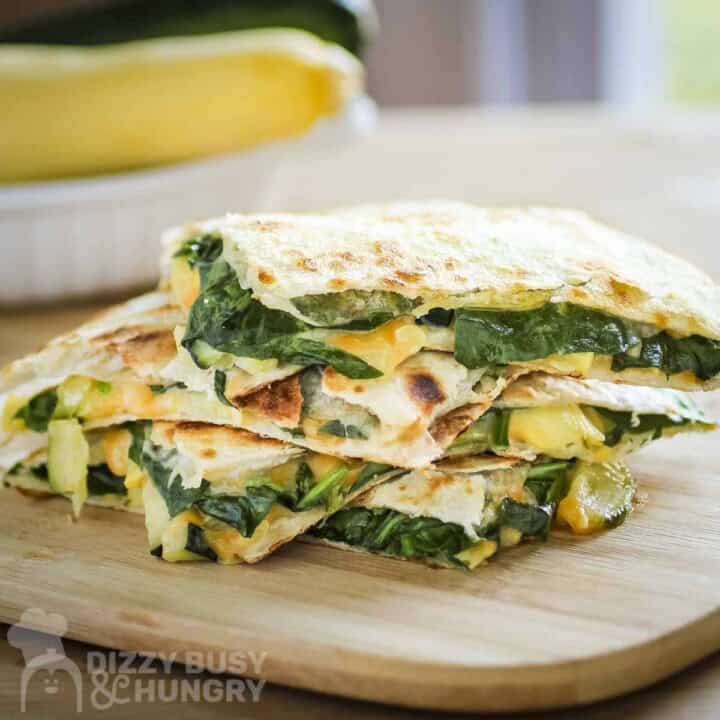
566,418
362,290
461,514
207,491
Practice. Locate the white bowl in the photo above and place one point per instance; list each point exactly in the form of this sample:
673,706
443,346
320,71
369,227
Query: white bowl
98,236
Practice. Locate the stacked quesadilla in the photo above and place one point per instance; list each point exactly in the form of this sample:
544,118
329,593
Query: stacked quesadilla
432,382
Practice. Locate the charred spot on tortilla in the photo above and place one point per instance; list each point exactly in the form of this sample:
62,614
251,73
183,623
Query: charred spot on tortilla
282,401
424,390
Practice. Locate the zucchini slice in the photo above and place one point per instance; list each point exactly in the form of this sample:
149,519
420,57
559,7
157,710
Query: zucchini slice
600,496
68,456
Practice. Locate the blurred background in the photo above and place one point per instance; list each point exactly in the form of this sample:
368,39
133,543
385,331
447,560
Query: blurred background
611,106
631,52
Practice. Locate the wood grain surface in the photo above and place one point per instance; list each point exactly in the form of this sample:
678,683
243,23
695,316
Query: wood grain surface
571,621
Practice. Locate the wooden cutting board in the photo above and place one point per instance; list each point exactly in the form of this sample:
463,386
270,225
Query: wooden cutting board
570,621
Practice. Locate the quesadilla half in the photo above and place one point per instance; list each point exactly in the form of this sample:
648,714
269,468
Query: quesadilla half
362,290
207,491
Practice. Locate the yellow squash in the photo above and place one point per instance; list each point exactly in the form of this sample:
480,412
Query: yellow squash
82,111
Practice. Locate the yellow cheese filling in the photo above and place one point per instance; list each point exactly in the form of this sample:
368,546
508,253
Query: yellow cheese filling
385,347
562,432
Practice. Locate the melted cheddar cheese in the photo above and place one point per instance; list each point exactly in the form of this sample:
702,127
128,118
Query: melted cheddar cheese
387,346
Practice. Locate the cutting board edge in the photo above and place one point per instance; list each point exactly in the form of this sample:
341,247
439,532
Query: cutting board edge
435,686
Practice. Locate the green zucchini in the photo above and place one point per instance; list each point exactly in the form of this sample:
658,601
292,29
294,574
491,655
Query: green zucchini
346,23
68,456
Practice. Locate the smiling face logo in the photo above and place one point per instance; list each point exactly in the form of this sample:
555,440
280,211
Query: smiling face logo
38,636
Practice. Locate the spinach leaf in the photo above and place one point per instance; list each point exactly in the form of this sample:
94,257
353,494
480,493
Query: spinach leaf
17,468
672,355
382,530
243,512
197,542
220,381
139,431
620,423
531,520
306,351
160,389
369,472
228,319
354,309
486,337
323,490
102,481
439,317
549,482
339,429
40,472
201,250
38,412
160,464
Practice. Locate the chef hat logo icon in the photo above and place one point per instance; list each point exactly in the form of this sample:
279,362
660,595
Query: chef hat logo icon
38,636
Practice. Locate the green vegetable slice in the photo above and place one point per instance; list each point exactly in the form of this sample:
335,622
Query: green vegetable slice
322,489
220,381
38,412
600,496
68,455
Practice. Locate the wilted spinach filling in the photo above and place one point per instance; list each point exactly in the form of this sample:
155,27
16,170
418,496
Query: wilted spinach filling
390,532
228,319
242,512
39,410
484,337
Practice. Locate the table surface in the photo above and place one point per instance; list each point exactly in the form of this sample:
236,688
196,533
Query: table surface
694,693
